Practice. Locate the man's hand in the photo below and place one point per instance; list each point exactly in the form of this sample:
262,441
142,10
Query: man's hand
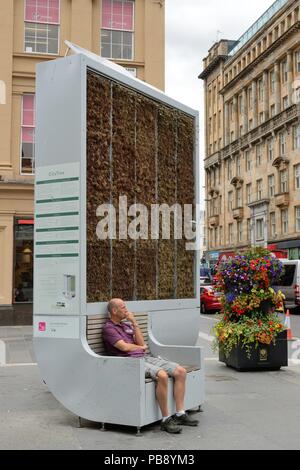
130,317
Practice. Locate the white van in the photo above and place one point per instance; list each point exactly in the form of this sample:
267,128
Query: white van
289,284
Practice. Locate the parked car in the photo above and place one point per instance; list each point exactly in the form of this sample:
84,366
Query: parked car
209,300
289,284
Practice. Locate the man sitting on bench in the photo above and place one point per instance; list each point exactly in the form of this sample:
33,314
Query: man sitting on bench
126,339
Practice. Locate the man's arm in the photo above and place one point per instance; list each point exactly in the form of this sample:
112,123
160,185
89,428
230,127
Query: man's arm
127,347
139,338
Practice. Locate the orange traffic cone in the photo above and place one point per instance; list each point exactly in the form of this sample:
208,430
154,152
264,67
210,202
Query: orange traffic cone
287,323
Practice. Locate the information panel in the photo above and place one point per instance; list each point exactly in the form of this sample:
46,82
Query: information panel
57,239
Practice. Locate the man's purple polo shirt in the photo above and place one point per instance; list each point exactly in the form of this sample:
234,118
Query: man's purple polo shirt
113,332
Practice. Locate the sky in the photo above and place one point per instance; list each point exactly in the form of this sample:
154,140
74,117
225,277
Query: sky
192,27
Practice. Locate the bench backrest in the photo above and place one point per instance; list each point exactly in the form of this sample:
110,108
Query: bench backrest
94,325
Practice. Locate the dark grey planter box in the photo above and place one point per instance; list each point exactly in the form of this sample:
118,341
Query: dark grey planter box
264,357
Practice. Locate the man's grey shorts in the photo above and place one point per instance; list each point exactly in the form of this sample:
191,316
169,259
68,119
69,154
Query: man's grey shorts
154,364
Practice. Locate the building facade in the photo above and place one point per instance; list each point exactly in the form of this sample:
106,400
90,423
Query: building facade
130,32
252,109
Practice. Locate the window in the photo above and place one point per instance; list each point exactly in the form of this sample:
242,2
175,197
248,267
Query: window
271,149
298,61
259,229
250,124
271,185
248,230
272,81
284,221
238,166
248,160
272,225
221,235
231,110
282,144
259,189
296,137
260,89
229,169
241,104
117,29
239,198
231,136
27,134
230,201
284,72
240,231
297,218
248,192
42,26
285,102
258,154
273,110
297,176
283,181
261,117
250,100
230,233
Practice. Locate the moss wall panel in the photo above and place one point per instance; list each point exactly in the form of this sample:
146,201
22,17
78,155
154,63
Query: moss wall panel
185,195
146,156
142,149
98,184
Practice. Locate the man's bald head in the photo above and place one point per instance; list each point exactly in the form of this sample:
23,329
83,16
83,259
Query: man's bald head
114,305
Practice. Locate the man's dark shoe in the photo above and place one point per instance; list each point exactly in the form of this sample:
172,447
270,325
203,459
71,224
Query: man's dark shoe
185,420
169,425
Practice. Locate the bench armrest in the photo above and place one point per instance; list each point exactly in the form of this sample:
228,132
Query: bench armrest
183,355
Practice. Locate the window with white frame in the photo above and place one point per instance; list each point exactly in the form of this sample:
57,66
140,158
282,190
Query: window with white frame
248,192
240,231
248,160
117,29
297,218
282,144
272,81
284,221
230,201
238,166
259,185
42,19
239,198
230,233
27,134
271,149
297,176
271,185
258,154
284,71
248,230
229,169
296,137
272,224
259,229
283,181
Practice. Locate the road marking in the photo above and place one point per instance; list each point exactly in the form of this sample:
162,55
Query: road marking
2,352
209,318
206,337
19,364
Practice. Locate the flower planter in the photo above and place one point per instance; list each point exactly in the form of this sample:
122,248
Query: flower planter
264,357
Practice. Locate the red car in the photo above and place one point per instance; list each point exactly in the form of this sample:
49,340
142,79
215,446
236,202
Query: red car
209,299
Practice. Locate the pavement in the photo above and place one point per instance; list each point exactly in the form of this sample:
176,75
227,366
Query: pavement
250,410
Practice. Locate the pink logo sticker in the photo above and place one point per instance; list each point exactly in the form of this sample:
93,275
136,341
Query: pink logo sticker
42,326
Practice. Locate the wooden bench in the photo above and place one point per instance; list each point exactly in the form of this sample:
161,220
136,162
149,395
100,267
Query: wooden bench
94,326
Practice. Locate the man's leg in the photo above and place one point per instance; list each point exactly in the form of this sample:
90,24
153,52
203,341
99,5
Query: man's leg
179,387
162,392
